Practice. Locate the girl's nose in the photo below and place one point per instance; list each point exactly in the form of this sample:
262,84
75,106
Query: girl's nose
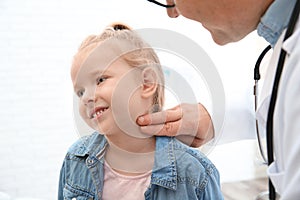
88,98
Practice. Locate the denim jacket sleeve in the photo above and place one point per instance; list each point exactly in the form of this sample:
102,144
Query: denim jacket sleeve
61,182
213,188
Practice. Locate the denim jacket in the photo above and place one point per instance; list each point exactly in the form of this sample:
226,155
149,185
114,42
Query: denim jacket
179,172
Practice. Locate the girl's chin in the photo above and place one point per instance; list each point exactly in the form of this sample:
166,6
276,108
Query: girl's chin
103,129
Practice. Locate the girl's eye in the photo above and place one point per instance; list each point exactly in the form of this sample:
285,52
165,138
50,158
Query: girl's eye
80,93
100,80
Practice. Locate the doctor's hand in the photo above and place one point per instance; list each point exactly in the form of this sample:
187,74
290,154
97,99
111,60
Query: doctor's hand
190,123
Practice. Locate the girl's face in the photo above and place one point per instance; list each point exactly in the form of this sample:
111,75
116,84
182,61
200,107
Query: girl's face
109,95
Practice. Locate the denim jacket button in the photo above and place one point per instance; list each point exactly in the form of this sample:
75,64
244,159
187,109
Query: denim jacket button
74,198
90,161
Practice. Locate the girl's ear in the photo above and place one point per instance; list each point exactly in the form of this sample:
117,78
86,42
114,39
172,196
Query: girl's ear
150,81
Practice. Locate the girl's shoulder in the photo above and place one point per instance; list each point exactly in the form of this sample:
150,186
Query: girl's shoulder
192,158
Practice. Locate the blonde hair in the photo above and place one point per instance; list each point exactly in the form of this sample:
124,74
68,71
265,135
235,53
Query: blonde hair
143,54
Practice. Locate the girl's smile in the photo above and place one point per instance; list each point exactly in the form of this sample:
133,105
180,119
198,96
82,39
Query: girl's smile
97,112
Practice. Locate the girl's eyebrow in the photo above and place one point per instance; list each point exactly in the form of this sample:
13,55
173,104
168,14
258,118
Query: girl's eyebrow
99,70
90,74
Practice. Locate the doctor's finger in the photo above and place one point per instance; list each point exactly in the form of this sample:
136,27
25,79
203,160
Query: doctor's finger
172,129
170,115
166,129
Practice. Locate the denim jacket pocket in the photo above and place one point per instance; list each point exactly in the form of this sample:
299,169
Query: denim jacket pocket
71,193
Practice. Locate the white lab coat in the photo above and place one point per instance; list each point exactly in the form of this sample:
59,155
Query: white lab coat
285,170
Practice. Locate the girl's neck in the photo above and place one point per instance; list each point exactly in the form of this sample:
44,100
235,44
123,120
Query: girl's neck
130,156
133,143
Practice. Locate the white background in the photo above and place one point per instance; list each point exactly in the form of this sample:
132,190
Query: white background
37,42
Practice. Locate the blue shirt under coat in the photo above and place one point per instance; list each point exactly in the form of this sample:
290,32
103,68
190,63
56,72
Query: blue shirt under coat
275,20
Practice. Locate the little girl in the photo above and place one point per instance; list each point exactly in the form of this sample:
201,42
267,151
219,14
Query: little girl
117,77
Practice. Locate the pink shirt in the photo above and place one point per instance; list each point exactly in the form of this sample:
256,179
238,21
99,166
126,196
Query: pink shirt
122,187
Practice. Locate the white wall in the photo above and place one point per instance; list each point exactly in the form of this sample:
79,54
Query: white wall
37,41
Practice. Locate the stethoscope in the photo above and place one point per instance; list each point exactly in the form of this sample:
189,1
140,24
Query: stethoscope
280,65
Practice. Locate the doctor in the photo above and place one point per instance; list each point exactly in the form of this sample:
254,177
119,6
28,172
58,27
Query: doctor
230,21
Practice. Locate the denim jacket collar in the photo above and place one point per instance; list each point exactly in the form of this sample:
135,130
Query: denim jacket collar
164,171
89,145
275,20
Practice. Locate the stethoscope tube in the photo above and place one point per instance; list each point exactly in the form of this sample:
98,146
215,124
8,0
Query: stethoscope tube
256,79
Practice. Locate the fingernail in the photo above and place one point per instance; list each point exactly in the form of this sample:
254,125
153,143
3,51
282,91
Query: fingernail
141,119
